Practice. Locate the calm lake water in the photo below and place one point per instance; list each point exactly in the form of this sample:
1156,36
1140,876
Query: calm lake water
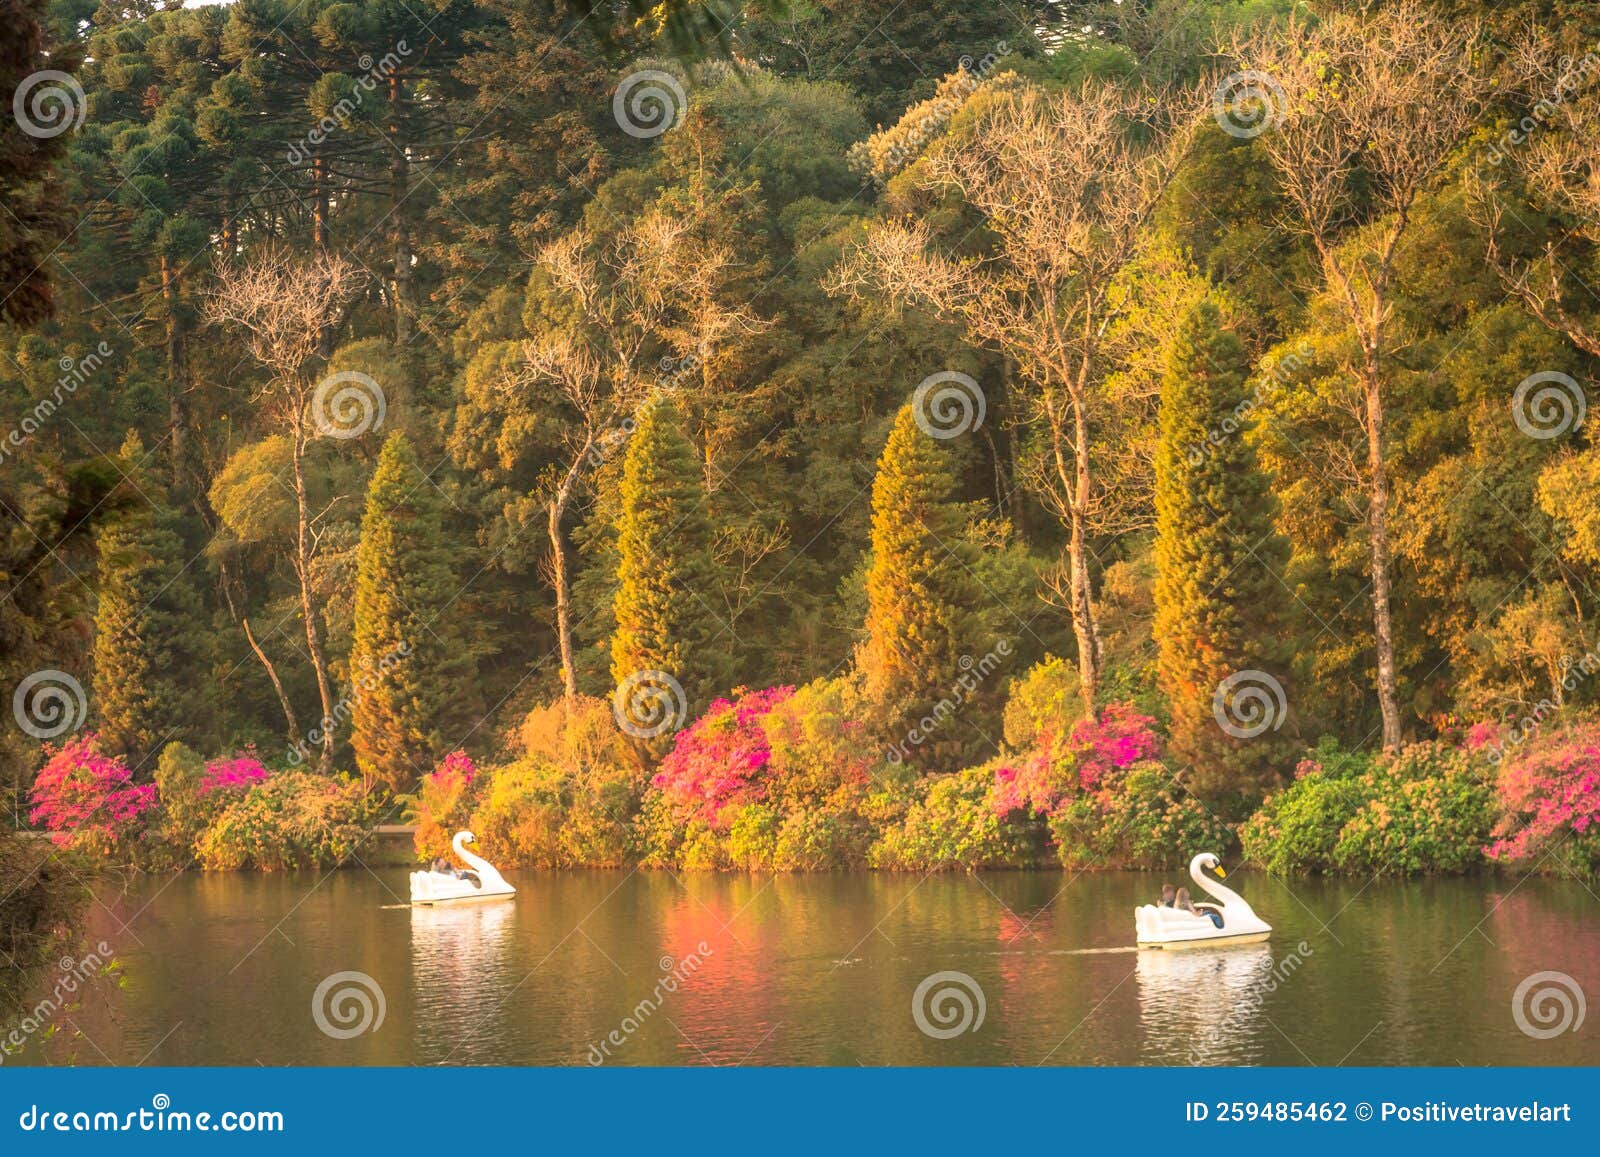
823,969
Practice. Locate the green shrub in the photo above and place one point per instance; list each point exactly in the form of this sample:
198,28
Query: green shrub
518,820
295,819
1427,808
952,824
1139,817
1430,808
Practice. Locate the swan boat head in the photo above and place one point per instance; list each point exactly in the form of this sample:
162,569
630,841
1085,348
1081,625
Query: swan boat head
1226,918
484,882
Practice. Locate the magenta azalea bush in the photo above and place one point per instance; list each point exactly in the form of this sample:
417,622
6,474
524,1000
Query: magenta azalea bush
720,760
1550,795
1079,762
240,772
87,799
442,805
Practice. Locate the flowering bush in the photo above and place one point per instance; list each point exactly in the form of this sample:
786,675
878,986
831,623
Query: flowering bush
774,779
87,799
240,773
442,804
1067,766
719,760
518,823
295,819
1136,816
1550,797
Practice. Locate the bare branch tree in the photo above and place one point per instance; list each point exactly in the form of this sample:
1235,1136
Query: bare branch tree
284,305
1067,185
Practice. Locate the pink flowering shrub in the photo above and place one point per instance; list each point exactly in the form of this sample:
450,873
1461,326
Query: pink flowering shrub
1550,797
778,779
239,773
87,799
1079,762
720,760
443,804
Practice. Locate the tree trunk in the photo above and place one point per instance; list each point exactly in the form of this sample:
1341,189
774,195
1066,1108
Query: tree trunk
177,372
1378,547
1072,478
272,671
277,684
398,184
319,660
559,578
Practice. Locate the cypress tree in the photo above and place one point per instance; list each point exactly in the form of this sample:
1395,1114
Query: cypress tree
150,676
666,579
410,667
1221,605
921,596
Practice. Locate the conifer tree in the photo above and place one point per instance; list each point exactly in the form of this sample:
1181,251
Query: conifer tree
1221,605
666,579
409,664
922,617
149,652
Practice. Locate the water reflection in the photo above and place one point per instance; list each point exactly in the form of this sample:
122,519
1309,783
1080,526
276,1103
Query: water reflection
459,965
1203,1005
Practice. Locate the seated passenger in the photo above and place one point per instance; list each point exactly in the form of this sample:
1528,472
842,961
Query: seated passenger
1168,895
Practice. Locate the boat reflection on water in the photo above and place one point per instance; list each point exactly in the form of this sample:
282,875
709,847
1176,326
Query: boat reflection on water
1202,1006
459,964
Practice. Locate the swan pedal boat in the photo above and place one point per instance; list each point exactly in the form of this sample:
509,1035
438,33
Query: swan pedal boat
434,888
1160,927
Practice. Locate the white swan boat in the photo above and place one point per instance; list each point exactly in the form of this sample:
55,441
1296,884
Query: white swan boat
1160,927
483,882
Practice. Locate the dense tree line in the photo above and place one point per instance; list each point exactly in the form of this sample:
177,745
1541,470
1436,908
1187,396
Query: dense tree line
519,342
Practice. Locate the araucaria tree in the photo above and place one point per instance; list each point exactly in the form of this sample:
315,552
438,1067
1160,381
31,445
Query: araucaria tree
666,577
921,593
408,662
149,651
1065,184
1220,603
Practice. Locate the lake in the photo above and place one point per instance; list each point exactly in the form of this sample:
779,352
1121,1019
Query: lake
657,968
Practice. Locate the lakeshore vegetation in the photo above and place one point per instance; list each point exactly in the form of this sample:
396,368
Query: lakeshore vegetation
703,437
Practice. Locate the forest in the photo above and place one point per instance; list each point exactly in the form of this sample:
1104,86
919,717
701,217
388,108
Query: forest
802,435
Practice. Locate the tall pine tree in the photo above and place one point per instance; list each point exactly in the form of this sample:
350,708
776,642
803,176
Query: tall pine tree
149,650
666,579
922,598
1221,605
410,667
